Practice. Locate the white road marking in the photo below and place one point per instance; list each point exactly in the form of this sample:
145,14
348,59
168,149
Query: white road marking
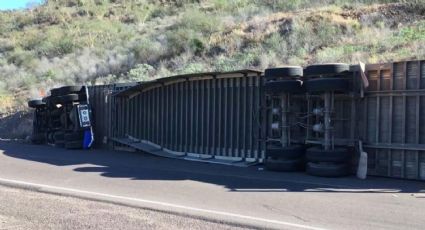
260,190
159,203
351,190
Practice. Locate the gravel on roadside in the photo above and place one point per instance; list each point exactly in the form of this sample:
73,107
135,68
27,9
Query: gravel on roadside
27,209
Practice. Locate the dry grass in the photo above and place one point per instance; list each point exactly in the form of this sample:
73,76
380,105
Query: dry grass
87,42
7,104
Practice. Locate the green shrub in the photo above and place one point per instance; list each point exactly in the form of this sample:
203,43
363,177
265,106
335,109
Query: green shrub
65,46
412,33
141,72
201,22
20,57
197,46
223,63
22,20
276,43
177,41
193,68
230,6
147,50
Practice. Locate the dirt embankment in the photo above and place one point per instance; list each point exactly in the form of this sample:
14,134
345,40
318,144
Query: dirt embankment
16,125
258,29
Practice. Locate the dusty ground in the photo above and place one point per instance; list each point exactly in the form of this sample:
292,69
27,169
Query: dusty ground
16,125
25,209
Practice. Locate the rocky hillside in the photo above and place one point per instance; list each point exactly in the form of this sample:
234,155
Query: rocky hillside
102,41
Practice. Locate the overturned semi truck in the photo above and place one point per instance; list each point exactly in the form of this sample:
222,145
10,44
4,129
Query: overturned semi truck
316,119
62,119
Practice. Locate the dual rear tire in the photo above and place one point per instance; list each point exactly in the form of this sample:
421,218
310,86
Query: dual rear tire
322,163
284,159
283,80
328,163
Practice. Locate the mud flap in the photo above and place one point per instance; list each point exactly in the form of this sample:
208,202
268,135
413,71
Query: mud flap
362,168
84,115
88,139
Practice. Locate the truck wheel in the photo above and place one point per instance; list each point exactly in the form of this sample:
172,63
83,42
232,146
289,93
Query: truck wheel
74,136
65,90
38,139
326,69
283,86
74,144
69,98
326,84
55,92
48,102
36,104
289,71
327,169
290,152
59,136
317,154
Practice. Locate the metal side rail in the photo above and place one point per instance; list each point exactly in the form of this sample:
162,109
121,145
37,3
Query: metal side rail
157,150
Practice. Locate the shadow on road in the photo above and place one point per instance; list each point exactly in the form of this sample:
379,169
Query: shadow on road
140,166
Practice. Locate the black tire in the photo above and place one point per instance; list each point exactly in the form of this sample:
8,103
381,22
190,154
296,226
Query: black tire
290,71
74,144
327,169
74,136
56,112
317,154
55,100
55,92
69,98
51,101
326,69
326,84
65,90
283,165
59,136
48,102
36,104
291,152
38,138
283,86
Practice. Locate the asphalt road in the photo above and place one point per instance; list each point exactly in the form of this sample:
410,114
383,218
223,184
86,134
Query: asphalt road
243,196
27,209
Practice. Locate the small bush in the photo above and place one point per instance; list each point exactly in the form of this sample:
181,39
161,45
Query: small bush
230,6
409,34
20,57
65,46
199,21
197,46
276,43
141,72
147,50
6,103
193,68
